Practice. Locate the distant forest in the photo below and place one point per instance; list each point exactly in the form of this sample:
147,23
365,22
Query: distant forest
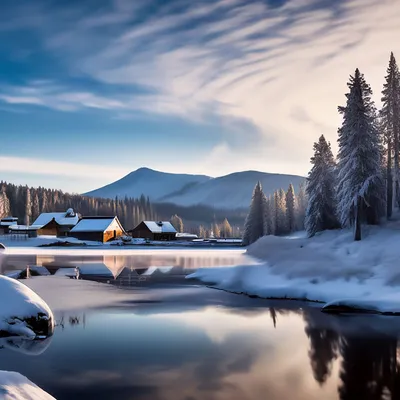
27,203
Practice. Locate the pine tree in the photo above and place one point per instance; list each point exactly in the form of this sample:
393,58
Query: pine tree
302,202
28,207
5,210
202,232
268,216
216,230
254,225
226,229
43,207
321,210
360,183
291,209
177,223
281,224
390,122
35,206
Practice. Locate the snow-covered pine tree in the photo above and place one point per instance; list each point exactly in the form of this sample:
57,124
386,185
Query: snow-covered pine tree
267,219
291,209
321,210
360,186
301,208
35,206
177,223
43,207
28,207
390,122
4,204
254,225
280,212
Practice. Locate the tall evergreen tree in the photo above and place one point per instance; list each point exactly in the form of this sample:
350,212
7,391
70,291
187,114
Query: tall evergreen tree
269,227
28,207
360,182
291,209
5,209
301,205
35,206
226,229
254,225
281,225
321,210
177,223
390,121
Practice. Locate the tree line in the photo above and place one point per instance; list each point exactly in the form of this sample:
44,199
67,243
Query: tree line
27,203
278,214
362,185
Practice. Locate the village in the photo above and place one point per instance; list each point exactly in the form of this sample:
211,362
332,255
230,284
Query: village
70,228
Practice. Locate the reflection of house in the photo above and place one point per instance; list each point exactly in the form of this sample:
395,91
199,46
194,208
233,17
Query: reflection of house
58,224
99,229
6,222
161,230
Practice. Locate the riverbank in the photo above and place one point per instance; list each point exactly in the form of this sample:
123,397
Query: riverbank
329,268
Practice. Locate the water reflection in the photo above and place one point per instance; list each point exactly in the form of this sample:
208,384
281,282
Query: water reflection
216,353
113,265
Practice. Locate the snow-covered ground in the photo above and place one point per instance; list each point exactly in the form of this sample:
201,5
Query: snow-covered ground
21,309
329,268
14,386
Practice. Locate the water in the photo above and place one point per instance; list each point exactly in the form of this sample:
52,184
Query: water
185,342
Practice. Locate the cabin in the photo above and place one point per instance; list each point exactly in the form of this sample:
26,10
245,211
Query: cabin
160,230
97,229
56,224
5,224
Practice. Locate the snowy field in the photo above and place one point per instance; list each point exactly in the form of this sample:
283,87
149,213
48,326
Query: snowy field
329,268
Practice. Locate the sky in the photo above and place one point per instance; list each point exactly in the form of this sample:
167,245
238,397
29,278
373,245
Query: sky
93,89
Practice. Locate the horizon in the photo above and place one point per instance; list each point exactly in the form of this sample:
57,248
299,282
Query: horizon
220,87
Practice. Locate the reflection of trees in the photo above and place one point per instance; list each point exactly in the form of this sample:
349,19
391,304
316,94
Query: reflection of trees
323,348
369,369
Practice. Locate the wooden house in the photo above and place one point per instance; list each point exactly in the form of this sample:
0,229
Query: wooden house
161,230
56,224
98,229
5,224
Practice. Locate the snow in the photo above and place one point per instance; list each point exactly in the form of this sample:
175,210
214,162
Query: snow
60,217
94,224
329,268
160,227
17,303
14,386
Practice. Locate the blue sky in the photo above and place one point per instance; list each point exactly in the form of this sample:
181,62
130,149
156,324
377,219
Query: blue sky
93,89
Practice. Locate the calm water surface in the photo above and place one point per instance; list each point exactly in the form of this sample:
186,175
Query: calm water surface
207,344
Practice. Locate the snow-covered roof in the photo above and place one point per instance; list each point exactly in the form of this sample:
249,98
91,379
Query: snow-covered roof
94,224
188,235
25,227
160,226
68,217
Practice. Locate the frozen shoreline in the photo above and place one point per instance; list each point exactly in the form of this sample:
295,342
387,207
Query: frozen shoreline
329,268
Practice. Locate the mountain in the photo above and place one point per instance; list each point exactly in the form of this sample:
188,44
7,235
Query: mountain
151,183
232,191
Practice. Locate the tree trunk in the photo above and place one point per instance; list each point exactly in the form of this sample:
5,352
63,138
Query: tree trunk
357,225
389,183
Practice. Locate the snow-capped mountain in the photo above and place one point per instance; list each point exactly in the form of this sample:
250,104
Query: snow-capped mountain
226,192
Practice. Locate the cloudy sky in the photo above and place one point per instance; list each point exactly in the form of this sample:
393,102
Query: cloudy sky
93,89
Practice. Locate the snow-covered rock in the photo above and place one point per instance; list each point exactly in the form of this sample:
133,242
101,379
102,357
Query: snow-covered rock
22,311
14,386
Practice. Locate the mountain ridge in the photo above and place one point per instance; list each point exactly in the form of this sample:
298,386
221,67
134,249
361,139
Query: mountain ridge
232,191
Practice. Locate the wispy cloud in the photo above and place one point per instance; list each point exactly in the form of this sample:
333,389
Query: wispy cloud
282,69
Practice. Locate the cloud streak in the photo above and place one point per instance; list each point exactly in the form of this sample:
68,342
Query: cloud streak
282,69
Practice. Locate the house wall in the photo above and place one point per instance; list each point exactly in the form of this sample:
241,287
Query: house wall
142,231
91,236
49,229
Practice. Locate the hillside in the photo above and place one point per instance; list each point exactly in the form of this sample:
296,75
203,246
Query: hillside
232,191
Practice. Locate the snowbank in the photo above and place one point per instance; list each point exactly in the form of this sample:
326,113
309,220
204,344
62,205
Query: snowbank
330,267
14,386
22,311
